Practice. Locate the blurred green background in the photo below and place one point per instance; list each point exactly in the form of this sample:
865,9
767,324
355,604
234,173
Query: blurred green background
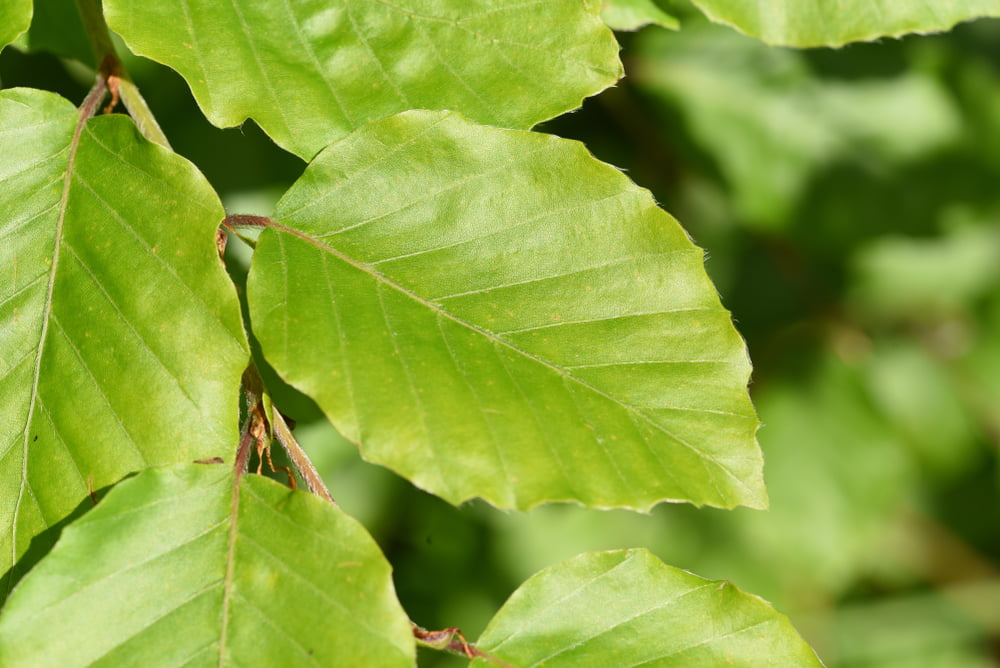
848,201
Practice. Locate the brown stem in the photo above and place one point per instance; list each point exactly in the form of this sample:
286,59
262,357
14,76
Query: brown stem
253,386
244,220
452,640
300,460
243,451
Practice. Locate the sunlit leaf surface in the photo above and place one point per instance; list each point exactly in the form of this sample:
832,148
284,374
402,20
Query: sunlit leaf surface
495,313
308,72
627,608
803,24
110,267
172,568
15,16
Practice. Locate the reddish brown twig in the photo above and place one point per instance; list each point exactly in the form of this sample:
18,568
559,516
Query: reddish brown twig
452,640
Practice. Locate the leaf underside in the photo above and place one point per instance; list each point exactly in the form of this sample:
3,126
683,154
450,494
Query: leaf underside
109,273
308,72
627,608
171,569
495,313
806,24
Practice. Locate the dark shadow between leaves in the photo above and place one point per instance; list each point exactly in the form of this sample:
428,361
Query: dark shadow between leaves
42,544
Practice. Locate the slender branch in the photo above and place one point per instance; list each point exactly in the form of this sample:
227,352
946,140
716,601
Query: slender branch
91,103
300,460
243,220
140,112
452,640
118,79
243,451
97,30
273,421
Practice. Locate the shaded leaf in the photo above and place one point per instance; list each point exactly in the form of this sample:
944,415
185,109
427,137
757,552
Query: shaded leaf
495,313
804,24
15,17
627,608
634,14
903,278
108,242
173,568
309,72
57,27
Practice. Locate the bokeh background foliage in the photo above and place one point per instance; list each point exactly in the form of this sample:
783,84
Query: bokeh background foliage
847,200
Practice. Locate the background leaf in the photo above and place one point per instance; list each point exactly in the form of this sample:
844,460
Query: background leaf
112,264
805,24
15,17
423,295
634,14
56,27
308,72
627,608
170,569
748,105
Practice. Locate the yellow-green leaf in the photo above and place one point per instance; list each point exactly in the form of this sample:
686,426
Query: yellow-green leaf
308,72
495,313
110,270
173,568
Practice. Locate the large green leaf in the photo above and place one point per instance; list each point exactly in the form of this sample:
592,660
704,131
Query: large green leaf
627,608
15,17
310,71
804,24
495,313
110,270
175,567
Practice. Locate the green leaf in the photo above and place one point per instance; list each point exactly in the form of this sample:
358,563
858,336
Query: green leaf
175,567
309,72
15,17
634,14
111,268
627,608
805,24
495,313
58,28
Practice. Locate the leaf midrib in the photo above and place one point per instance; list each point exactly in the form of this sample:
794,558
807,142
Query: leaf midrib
83,115
491,336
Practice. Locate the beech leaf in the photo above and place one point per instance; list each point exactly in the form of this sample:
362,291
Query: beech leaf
15,17
808,24
495,313
110,266
634,14
308,72
57,27
627,608
174,568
